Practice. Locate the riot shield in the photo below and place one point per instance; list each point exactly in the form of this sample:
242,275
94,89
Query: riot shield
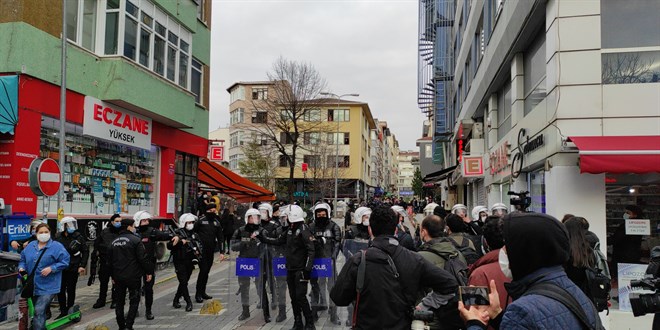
246,278
350,247
279,292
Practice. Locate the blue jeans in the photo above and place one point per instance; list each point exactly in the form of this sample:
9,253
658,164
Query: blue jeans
40,305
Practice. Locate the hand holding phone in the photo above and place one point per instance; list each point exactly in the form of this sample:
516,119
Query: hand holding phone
474,295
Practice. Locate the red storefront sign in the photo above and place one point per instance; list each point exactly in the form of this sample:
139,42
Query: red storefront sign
217,153
473,166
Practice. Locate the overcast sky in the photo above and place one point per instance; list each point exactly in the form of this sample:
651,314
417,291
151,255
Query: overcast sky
367,47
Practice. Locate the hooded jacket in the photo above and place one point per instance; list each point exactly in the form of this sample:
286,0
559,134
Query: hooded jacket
488,268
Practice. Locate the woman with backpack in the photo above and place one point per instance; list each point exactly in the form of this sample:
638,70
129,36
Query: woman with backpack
582,255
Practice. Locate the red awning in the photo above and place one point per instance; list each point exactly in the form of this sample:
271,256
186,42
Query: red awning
231,184
618,154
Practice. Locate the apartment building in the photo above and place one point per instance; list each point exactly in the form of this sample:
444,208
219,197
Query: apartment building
408,163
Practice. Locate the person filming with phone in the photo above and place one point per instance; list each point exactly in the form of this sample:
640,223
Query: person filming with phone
536,247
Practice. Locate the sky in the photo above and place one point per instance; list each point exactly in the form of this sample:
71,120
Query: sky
367,47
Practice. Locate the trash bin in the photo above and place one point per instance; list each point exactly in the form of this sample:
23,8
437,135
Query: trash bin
8,285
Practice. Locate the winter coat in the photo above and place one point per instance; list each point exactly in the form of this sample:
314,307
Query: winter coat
442,246
76,245
488,268
127,259
299,246
54,257
210,231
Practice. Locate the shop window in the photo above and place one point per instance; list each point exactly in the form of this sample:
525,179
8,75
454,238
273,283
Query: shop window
186,183
101,177
631,23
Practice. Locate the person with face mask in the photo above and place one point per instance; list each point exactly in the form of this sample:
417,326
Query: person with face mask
76,244
328,238
19,245
184,253
499,210
536,247
53,259
472,227
128,263
99,257
278,251
267,213
403,233
149,237
359,228
209,229
247,246
479,214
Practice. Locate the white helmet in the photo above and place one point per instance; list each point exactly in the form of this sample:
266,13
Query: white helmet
185,218
361,212
400,211
266,210
69,222
295,213
459,208
322,206
499,209
478,209
139,216
428,210
252,212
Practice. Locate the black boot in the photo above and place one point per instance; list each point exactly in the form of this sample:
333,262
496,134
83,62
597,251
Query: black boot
266,315
198,298
297,323
148,314
63,313
99,303
282,315
205,296
315,314
309,322
175,302
189,305
245,314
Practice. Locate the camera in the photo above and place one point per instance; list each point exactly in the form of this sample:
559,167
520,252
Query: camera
420,318
645,303
520,200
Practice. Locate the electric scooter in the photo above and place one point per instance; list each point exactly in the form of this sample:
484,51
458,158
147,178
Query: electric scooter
74,315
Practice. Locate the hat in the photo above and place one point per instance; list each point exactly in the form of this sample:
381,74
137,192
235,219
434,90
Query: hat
210,206
127,222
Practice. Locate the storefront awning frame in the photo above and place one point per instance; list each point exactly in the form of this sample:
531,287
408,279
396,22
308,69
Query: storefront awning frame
618,154
231,184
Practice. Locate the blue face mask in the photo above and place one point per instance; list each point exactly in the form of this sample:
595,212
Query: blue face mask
70,230
116,224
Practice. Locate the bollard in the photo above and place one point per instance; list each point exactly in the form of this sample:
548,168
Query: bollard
22,314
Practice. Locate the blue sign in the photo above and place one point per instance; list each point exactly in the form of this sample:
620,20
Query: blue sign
322,267
17,229
279,266
247,267
97,186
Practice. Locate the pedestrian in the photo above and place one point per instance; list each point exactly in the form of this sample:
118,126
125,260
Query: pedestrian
472,227
456,229
328,240
76,245
149,237
20,244
479,215
536,247
210,233
403,233
100,258
43,260
128,263
227,224
185,254
392,277
267,223
581,256
299,260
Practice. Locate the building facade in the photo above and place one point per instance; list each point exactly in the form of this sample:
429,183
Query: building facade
384,153
408,164
136,102
558,98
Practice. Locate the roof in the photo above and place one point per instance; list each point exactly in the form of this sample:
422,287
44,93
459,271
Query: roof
250,83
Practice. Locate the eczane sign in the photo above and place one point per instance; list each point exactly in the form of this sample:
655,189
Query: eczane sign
112,123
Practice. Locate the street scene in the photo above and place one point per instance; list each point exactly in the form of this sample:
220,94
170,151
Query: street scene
335,164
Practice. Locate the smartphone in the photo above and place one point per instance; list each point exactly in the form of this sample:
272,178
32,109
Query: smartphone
474,295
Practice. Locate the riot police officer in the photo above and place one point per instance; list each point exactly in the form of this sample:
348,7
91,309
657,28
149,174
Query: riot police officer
267,223
328,238
149,236
299,261
403,233
360,227
186,252
76,245
210,233
99,256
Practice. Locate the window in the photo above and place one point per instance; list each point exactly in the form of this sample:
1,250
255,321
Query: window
630,67
233,161
504,111
236,116
283,161
259,93
338,138
341,161
312,161
286,138
197,80
259,117
534,80
629,23
234,139
130,36
312,138
339,115
200,10
312,115
286,114
237,94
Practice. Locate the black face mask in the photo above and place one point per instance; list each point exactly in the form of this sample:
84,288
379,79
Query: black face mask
250,227
322,220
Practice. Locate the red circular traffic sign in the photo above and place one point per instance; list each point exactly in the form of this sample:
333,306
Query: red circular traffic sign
45,177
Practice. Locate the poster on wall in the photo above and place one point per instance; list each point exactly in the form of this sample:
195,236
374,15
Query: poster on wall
627,273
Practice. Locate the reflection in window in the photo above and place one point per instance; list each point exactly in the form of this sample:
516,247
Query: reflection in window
171,62
89,24
130,38
631,68
111,33
159,55
71,19
145,36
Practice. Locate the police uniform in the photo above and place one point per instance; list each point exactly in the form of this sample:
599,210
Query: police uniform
99,256
209,230
185,256
76,246
328,238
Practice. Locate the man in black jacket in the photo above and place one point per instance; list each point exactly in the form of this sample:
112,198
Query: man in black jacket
149,236
210,233
76,245
99,256
299,261
393,276
128,262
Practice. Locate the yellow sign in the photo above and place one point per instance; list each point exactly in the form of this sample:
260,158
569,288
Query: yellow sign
60,214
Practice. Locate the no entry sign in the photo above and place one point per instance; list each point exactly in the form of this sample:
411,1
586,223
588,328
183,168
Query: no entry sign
45,177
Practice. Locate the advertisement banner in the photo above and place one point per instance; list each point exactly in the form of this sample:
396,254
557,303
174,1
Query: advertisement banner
17,229
247,267
322,267
111,123
628,272
279,266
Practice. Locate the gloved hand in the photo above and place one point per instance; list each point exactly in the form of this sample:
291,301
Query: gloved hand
91,280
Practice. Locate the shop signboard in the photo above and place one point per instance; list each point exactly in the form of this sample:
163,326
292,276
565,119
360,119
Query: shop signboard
638,227
627,273
217,153
473,166
18,228
109,122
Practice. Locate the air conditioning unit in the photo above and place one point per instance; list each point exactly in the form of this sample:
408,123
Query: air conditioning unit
477,131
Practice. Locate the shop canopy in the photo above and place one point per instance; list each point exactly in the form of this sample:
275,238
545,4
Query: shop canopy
618,154
438,175
231,184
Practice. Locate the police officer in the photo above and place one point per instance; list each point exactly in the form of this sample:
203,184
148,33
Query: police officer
267,223
99,256
403,233
279,225
186,251
128,263
328,238
360,227
299,242
248,246
149,236
210,233
76,245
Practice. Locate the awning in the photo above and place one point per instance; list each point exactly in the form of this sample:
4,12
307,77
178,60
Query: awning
8,103
618,154
231,184
438,175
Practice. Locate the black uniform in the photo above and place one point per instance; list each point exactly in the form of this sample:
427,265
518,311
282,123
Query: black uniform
128,262
149,236
404,237
76,245
328,238
358,232
210,233
299,261
275,230
184,257
248,247
99,256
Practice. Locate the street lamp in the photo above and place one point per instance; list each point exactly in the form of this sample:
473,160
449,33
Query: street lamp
338,97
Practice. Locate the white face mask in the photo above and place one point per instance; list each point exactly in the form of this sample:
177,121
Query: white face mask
43,238
365,220
483,218
190,226
504,264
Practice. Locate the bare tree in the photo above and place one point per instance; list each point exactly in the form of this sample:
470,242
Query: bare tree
626,68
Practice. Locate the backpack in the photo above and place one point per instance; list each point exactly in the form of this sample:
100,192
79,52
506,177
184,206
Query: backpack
454,266
598,281
471,256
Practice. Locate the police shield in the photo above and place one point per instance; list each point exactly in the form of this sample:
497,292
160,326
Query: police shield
246,277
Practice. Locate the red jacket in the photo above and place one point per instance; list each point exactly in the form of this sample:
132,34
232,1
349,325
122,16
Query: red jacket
488,268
